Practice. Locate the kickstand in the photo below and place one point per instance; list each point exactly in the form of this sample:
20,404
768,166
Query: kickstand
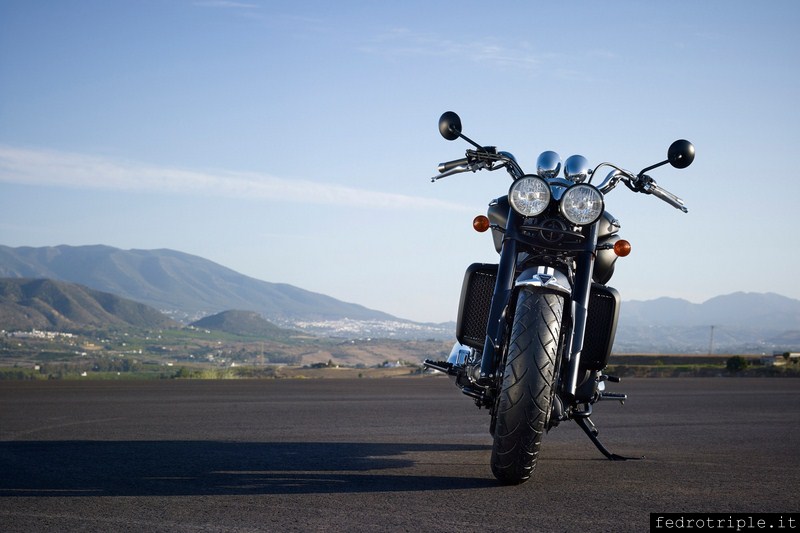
591,431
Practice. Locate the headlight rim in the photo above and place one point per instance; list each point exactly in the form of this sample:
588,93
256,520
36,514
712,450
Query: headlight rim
530,177
562,203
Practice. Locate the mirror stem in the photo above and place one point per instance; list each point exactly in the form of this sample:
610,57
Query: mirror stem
648,169
473,143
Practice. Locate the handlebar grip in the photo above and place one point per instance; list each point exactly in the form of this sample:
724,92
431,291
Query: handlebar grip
449,165
668,197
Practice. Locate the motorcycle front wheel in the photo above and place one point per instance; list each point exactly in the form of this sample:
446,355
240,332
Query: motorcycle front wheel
527,388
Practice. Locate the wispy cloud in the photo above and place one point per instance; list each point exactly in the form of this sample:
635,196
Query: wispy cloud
247,10
64,169
226,4
404,42
520,55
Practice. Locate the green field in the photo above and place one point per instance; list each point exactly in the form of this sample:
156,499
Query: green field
189,353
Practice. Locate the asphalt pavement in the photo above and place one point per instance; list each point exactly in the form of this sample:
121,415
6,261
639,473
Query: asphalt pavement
408,454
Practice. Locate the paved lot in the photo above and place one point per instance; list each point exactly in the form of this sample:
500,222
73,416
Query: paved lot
379,455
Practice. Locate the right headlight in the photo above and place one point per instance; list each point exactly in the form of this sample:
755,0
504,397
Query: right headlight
529,196
582,204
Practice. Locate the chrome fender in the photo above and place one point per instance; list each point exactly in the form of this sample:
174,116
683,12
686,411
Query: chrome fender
544,277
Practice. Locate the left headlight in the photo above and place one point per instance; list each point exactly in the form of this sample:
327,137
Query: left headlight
582,204
529,196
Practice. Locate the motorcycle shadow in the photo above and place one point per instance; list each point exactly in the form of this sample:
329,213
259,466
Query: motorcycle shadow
176,468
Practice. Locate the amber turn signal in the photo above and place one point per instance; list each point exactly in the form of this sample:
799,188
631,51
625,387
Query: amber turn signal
622,248
480,223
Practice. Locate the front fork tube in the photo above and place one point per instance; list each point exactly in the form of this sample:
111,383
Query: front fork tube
503,288
581,290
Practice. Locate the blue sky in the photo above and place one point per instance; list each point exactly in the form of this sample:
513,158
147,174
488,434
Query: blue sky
293,141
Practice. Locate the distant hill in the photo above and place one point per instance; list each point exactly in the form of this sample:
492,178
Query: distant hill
53,305
741,322
184,286
746,309
245,323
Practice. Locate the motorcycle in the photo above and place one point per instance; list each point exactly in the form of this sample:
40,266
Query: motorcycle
535,330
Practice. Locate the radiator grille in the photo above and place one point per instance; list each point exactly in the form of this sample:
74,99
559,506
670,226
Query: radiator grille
601,326
476,299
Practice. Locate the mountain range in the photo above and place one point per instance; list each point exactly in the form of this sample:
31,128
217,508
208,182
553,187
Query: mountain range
740,309
742,322
183,286
188,288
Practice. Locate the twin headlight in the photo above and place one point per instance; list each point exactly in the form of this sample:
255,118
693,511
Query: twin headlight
581,204
529,196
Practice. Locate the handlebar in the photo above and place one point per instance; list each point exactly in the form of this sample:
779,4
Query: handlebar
485,159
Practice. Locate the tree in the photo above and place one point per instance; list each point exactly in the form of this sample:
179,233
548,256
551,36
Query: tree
183,373
736,363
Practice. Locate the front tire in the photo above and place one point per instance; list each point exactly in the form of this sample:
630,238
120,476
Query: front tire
526,396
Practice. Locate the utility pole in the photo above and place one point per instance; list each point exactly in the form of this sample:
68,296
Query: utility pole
711,342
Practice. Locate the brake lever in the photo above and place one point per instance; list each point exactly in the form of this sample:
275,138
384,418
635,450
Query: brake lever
647,185
454,170
474,167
